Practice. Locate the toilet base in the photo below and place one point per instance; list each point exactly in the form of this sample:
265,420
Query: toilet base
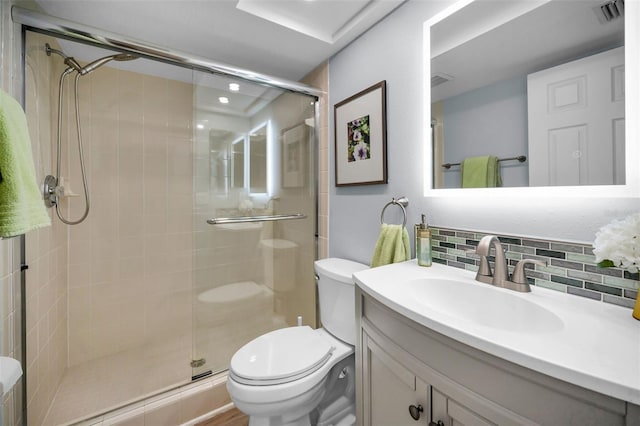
330,403
292,416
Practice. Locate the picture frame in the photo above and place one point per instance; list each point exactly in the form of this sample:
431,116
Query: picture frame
294,143
360,126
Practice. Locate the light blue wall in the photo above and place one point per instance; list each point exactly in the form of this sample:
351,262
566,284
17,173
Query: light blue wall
392,51
490,120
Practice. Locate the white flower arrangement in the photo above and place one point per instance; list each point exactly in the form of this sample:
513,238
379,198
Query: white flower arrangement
618,244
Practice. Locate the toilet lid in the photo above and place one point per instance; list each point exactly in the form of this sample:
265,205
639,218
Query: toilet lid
280,356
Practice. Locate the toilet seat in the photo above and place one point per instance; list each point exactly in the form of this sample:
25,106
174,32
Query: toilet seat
280,356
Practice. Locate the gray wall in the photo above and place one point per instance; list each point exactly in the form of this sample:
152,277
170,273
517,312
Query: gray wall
392,51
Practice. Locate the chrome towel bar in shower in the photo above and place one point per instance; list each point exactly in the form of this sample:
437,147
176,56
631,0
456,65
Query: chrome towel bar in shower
244,219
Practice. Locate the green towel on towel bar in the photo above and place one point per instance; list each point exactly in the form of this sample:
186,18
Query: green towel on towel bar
392,245
21,205
480,172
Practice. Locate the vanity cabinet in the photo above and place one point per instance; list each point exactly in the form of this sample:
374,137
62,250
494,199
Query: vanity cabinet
397,396
401,363
390,388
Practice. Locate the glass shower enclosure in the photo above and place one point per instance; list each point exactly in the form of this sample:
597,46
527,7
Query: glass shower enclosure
201,234
255,215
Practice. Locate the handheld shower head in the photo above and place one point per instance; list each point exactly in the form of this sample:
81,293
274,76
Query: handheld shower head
100,62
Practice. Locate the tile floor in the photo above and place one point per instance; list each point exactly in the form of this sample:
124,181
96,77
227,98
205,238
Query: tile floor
112,381
127,377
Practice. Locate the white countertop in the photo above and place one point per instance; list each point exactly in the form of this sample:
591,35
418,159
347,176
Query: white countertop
597,347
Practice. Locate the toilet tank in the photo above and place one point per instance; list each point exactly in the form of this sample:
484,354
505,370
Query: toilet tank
337,296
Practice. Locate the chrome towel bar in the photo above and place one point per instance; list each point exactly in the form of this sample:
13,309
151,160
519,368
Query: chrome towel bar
244,219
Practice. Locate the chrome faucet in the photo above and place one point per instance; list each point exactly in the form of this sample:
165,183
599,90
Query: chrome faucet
500,275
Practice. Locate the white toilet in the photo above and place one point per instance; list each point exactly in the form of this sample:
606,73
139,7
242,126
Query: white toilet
298,376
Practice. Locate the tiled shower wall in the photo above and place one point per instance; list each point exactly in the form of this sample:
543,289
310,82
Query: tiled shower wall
46,248
130,261
571,267
10,342
320,78
128,283
10,258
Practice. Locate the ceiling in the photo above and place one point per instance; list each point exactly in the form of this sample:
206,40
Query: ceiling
545,35
282,38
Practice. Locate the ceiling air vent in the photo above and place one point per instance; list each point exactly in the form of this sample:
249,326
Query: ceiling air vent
440,78
610,10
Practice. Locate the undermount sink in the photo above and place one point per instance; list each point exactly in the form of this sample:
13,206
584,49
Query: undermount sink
481,304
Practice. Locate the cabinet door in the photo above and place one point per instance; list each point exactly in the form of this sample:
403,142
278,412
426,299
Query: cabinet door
451,413
389,389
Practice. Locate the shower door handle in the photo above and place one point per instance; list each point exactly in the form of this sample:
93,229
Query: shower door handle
245,219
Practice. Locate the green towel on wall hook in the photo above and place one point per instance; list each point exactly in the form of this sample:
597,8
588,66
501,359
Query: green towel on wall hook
392,245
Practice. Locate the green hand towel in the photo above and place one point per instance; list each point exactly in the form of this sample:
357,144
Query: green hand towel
21,205
480,172
392,245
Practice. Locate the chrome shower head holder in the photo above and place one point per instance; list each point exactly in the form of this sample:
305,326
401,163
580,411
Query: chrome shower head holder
68,60
50,191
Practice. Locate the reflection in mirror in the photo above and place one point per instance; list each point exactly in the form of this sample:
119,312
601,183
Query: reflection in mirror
221,160
237,163
547,83
258,160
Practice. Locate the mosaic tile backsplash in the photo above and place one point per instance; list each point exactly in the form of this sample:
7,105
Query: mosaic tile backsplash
571,267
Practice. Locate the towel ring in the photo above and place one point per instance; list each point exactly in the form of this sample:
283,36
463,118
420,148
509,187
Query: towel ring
401,202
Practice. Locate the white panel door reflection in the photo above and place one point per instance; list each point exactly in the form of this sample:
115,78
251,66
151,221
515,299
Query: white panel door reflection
576,113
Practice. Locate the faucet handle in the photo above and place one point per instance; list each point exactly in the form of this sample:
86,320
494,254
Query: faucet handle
519,275
484,271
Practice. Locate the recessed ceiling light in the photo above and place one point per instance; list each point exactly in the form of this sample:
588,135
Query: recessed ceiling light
200,126
234,87
223,100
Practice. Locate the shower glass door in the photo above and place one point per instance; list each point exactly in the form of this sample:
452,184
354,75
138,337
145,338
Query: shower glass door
254,215
144,294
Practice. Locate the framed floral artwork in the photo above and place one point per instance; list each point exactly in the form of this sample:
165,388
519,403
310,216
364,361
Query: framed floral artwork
294,142
361,137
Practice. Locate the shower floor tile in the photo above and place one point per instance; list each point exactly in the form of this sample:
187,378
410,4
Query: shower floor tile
109,382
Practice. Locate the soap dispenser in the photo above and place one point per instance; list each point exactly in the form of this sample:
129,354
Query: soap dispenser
423,243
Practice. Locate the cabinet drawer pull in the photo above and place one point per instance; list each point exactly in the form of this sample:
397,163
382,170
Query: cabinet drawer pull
415,411
440,423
